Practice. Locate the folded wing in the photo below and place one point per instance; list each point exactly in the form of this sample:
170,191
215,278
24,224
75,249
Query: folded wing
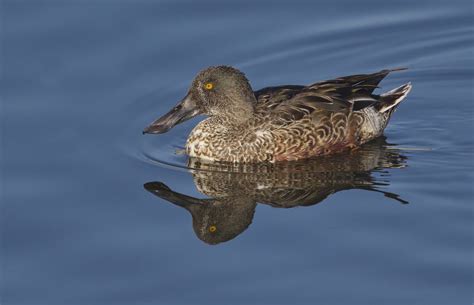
344,94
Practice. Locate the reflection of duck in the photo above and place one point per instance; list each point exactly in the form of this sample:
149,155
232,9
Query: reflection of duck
280,123
235,189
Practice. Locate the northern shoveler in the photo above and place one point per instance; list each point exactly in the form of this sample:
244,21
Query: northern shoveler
280,123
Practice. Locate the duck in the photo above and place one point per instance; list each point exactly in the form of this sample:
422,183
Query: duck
280,123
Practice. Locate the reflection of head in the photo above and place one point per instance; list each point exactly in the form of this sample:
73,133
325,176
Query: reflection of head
218,221
214,220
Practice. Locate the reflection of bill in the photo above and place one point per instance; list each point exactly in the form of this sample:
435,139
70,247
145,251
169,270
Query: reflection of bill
235,189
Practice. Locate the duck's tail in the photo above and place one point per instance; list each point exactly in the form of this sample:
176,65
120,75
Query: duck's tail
390,100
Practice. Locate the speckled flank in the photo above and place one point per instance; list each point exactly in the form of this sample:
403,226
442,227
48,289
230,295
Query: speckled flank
317,134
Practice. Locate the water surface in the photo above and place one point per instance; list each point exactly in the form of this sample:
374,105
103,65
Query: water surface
81,222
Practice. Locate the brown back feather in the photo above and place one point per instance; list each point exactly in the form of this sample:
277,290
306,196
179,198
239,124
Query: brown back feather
344,94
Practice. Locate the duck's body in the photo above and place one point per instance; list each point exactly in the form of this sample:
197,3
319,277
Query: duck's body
287,122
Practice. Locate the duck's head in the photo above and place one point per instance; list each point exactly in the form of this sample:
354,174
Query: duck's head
220,91
215,220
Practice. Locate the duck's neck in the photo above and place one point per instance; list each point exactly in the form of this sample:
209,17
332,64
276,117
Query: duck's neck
237,117
239,111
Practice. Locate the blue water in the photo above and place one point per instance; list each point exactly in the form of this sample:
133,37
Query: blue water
81,79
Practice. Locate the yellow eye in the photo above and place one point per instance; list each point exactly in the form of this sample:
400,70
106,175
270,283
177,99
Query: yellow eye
209,86
212,229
